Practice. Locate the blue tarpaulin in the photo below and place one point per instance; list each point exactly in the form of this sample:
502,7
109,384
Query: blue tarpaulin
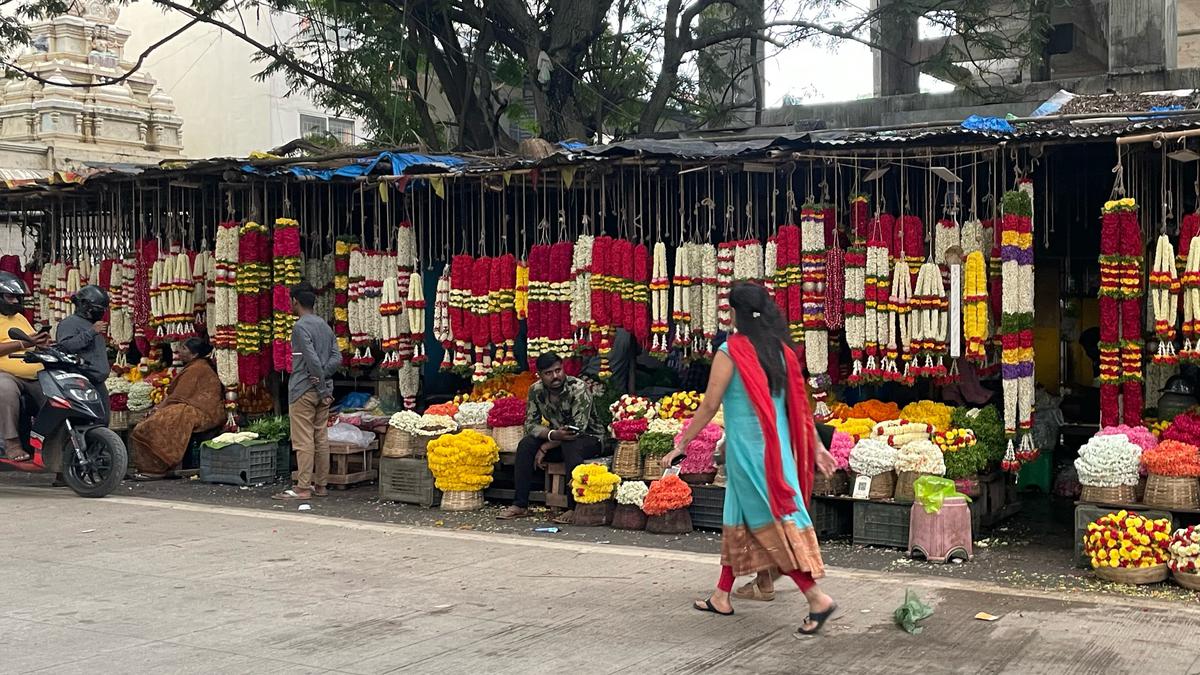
399,161
980,123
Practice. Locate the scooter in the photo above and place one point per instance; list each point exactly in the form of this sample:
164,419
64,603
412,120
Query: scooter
71,423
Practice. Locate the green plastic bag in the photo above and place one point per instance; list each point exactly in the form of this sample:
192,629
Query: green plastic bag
931,491
913,610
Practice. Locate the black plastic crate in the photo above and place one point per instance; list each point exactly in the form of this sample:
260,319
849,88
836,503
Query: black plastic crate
407,480
708,506
283,460
831,517
881,524
238,464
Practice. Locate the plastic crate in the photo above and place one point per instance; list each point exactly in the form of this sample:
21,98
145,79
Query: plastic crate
283,459
831,517
708,507
881,524
407,480
1087,513
238,464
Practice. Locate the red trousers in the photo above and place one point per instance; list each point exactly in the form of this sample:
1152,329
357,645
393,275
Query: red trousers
803,579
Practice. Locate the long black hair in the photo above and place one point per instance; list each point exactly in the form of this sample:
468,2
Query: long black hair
759,319
200,347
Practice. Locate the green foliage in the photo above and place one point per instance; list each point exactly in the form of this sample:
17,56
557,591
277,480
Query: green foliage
272,428
966,462
988,428
655,444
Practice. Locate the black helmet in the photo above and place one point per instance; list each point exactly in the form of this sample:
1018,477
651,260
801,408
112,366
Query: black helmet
1178,384
91,302
11,284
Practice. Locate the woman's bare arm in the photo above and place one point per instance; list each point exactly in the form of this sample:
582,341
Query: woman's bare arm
718,382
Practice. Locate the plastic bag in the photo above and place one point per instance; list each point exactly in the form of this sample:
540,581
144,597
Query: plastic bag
913,610
931,491
352,435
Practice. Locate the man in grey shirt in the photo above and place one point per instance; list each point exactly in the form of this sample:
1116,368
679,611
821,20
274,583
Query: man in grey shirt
315,358
82,334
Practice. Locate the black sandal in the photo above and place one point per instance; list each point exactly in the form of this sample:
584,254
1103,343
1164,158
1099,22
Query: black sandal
818,618
708,607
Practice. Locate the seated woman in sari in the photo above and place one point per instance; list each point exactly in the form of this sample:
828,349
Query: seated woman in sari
771,450
194,404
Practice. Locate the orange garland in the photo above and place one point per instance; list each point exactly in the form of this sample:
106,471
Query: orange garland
667,494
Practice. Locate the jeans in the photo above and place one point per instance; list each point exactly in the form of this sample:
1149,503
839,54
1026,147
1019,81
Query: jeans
570,453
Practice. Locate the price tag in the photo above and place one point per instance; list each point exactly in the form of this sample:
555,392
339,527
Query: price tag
862,487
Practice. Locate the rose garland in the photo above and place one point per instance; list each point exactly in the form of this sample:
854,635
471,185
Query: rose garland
1190,285
504,270
975,301
835,286
911,241
581,291
254,304
478,318
1164,299
789,283
287,264
725,262
1120,313
461,268
1016,326
665,495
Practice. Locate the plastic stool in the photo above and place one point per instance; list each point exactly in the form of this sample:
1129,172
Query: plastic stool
1037,473
939,535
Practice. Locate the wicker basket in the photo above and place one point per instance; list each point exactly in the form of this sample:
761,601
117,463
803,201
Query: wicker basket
397,444
883,486
627,461
481,428
1122,494
132,419
1171,492
1189,580
508,438
594,515
460,500
831,486
904,486
678,521
1133,575
119,420
628,517
651,467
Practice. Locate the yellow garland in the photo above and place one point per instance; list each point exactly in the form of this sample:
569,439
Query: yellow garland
462,462
858,427
593,483
975,306
929,412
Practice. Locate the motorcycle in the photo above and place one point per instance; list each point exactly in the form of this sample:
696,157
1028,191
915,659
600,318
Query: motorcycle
71,422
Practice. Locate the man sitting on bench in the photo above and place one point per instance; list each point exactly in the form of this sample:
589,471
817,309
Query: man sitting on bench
560,426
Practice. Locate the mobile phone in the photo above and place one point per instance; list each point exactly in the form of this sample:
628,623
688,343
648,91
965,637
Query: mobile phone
572,428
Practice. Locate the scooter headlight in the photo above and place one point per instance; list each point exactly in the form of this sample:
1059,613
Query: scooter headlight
84,395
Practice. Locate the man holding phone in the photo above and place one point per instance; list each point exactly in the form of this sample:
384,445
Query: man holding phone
560,425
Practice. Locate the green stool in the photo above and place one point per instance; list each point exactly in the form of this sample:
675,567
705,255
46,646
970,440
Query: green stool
1038,473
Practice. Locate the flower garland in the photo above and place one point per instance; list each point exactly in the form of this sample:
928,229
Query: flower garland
630,407
835,286
871,457
899,331
171,291
660,289
1016,326
672,427
1184,549
632,493
900,432
461,268
441,319
359,337
973,239
788,279
254,304
593,483
877,321
120,314
204,273
521,300
414,319
506,412
975,309
947,235
391,308
1108,461
813,302
1127,541
504,319
922,456
856,309
930,322
581,291
700,451
910,241
342,249
423,425
705,297
1120,314
287,264
1164,300
225,319
462,462
1190,285
1172,458
550,292
725,262
840,448
665,495
478,320
681,284
770,262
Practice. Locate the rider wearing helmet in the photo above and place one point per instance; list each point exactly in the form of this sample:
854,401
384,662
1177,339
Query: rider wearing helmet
82,334
17,378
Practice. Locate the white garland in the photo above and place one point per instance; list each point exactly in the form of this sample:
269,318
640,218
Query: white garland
706,261
422,425
725,276
956,298
661,426
660,284
441,310
945,238
409,378
1191,295
972,238
225,302
1109,461
871,457
473,413
581,287
922,456
139,397
632,493
856,324
1164,301
899,318
770,255
414,315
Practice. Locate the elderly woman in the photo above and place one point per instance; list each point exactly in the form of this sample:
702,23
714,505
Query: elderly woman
194,404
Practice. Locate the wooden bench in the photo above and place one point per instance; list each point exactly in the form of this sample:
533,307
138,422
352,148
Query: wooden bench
351,464
558,483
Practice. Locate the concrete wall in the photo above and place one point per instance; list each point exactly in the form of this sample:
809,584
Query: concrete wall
209,73
1189,33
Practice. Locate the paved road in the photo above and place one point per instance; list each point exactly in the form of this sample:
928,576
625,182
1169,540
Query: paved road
126,585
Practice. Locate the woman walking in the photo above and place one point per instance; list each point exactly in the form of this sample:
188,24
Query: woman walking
771,448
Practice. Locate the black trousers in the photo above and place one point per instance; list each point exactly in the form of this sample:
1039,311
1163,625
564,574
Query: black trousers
570,453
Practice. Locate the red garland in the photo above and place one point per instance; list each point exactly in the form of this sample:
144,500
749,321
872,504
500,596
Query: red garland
640,297
835,288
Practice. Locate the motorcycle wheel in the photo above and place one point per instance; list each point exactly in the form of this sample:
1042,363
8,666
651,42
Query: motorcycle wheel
104,465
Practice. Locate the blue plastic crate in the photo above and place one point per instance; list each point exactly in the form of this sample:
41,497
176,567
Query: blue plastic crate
239,464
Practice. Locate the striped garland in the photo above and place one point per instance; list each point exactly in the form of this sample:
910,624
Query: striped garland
1016,327
1164,300
975,307
1120,314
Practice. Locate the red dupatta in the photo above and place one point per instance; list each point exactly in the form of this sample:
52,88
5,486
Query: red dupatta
800,423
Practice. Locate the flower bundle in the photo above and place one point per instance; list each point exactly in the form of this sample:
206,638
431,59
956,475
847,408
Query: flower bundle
876,323
936,415
1164,300
581,291
414,310
840,448
655,445
855,308
1184,550
254,303
929,323
1139,435
506,412
1108,461
660,289
633,407
955,440
423,425
1172,458
593,483
947,234
899,331
629,430
463,461
342,248
875,410
391,311
900,432
705,298
441,319
632,493
139,397
667,494
287,269
672,426
1016,326
448,409
681,284
502,310
700,451
550,292
975,306
1190,287
921,456
1127,540
963,454
788,282
680,405
871,457
855,427
1120,313
473,413
1185,427
726,252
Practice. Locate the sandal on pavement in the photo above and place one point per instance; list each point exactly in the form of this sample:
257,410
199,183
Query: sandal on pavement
514,512
565,518
320,491
707,606
292,495
818,618
149,477
751,591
